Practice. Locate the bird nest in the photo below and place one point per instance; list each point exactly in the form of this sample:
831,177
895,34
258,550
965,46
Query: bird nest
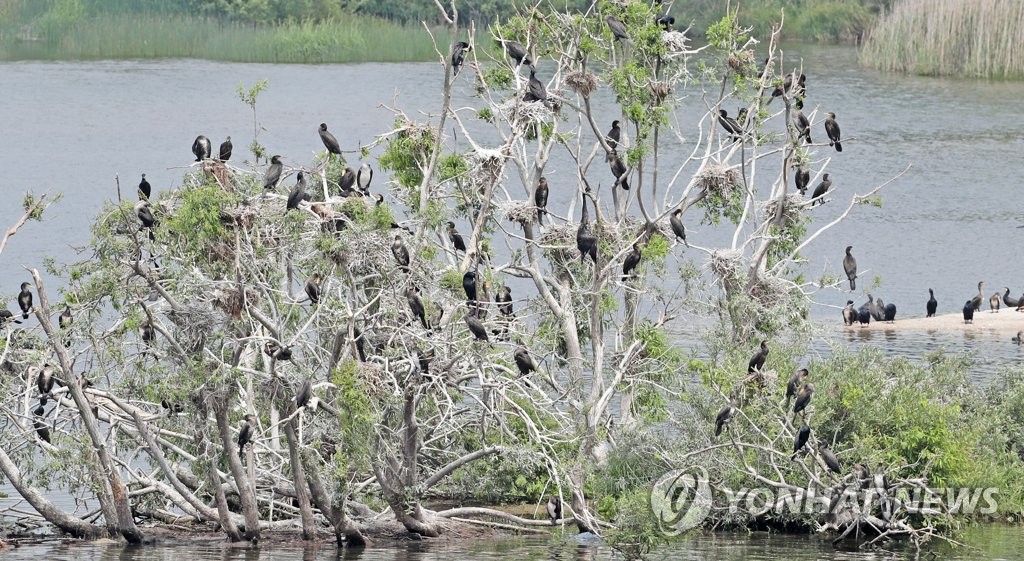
727,264
521,114
717,179
523,212
366,252
231,302
675,41
194,323
790,208
583,83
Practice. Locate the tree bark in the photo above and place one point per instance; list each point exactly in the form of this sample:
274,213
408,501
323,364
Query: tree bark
299,477
245,492
345,532
71,525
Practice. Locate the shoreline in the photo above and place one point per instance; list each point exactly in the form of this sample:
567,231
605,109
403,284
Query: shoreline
1006,322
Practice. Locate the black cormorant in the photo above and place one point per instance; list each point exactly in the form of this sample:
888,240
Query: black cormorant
793,386
617,27
304,394
65,318
876,308
779,90
145,189
298,194
830,459
890,312
146,217
276,351
586,241
676,221
540,199
148,333
535,89
800,440
312,288
400,252
832,130
618,170
245,434
756,363
849,314
819,191
864,315
976,301
631,261
993,303
459,51
524,361
803,399
932,305
39,411
456,238
469,285
1009,300
800,91
273,174
44,382
476,327
225,150
363,178
665,21
202,148
6,316
347,181
969,312
42,430
613,136
803,126
517,52
554,507
25,300
330,142
850,266
802,177
724,416
416,305
729,124
504,300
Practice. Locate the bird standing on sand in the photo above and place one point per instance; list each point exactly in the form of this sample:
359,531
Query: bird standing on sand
932,304
993,303
849,314
976,301
969,312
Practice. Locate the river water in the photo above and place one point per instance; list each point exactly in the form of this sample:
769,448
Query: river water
952,220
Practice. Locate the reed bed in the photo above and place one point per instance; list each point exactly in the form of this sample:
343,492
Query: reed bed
973,39
144,36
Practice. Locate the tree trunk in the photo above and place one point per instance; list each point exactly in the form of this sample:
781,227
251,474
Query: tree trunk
345,532
299,477
245,492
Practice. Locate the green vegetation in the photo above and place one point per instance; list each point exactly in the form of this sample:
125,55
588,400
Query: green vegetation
980,39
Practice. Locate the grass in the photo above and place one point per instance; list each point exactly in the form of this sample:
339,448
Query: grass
976,39
144,36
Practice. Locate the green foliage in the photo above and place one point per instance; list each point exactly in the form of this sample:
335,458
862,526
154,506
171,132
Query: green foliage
406,156
355,417
198,219
451,167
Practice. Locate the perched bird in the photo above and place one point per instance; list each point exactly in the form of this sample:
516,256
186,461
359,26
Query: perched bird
424,358
976,301
330,142
6,316
517,52
864,315
618,171
849,314
678,229
617,27
274,350
273,174
459,51
969,312
312,288
245,434
932,305
993,303
665,21
44,382
148,334
225,150
832,130
830,459
554,509
756,362
784,88
416,305
613,136
1008,300
631,261
42,430
524,362
800,91
363,178
145,215
820,190
456,238
850,266
890,313
793,386
586,241
469,285
540,199
347,181
298,193
39,411
535,89
25,300
802,177
65,320
145,189
803,126
724,416
729,124
476,327
803,399
201,148
400,252
504,300
304,394
801,439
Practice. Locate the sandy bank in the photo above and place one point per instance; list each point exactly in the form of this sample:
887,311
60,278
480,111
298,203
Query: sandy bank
1004,323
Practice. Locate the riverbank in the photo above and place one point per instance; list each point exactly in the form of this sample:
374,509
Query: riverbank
1002,325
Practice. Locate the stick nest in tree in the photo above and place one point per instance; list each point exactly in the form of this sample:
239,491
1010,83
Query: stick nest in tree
675,41
523,212
727,264
717,179
583,83
790,208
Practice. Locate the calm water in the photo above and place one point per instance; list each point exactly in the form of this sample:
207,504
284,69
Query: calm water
988,543
948,223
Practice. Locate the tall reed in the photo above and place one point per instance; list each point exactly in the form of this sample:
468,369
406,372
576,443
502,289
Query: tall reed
975,38
127,36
